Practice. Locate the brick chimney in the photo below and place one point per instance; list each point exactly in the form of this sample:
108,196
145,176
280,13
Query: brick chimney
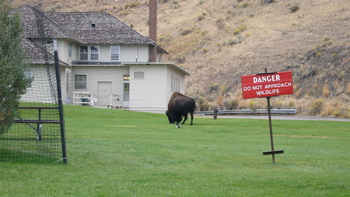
153,29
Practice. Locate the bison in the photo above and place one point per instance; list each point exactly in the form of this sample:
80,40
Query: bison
179,106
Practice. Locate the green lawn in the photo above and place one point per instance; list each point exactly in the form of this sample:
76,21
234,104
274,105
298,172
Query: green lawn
123,153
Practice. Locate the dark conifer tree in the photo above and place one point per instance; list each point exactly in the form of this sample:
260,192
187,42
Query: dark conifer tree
13,81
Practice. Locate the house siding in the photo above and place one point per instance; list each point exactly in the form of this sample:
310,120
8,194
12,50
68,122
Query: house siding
62,45
178,74
172,72
41,89
134,53
114,75
148,94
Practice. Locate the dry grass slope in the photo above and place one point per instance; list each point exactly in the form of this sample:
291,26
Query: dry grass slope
219,41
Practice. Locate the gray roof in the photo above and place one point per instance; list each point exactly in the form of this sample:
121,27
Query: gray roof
83,27
37,25
38,55
99,28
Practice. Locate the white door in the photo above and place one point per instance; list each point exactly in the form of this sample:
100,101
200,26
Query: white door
104,91
126,93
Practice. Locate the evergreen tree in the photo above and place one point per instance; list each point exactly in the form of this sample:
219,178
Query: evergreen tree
13,81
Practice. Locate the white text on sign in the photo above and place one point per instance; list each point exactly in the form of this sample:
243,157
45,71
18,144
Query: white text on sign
268,78
267,84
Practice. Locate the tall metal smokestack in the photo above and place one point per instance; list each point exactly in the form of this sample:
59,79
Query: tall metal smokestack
153,29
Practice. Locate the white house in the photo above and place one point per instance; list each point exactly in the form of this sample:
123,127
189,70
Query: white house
103,61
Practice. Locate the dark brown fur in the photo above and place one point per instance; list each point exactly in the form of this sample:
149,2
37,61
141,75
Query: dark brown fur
179,106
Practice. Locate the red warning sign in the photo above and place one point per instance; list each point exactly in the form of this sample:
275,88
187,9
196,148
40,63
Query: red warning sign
267,84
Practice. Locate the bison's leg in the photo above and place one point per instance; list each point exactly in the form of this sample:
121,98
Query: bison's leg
178,119
191,118
185,118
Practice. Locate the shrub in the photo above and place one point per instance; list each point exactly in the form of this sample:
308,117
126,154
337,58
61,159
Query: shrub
329,111
225,105
58,5
230,14
244,5
318,54
291,104
50,9
180,58
294,8
253,106
233,104
240,29
267,1
175,4
327,38
220,23
348,88
234,41
202,103
342,113
54,8
298,93
201,17
341,75
165,38
326,91
132,5
316,107
187,31
219,100
279,104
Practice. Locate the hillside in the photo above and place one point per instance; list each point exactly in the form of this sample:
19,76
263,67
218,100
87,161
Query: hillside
219,41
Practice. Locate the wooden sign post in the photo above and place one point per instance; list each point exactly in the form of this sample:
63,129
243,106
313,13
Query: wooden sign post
267,85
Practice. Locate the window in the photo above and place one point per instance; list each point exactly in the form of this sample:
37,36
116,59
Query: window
126,78
175,84
28,75
89,52
139,75
49,41
94,52
67,82
70,49
115,52
126,91
80,82
84,53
